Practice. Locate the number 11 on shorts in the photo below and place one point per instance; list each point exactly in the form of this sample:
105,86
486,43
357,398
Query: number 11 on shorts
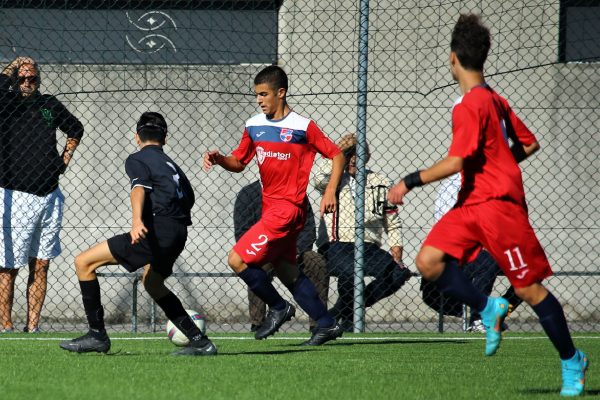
509,253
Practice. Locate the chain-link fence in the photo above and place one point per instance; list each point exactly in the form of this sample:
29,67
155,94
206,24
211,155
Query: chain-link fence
194,61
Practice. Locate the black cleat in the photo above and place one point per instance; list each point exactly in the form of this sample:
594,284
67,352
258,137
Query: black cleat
88,343
323,335
274,320
202,347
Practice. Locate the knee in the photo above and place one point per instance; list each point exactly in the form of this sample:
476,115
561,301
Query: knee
38,267
82,267
429,265
235,262
154,285
532,294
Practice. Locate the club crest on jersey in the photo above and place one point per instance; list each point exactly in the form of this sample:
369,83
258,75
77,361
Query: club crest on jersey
286,134
260,154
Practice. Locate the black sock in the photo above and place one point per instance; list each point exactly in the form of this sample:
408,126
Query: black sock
555,325
453,282
90,294
258,281
307,297
512,298
175,312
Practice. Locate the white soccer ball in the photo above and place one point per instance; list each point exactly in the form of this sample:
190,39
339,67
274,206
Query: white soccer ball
178,338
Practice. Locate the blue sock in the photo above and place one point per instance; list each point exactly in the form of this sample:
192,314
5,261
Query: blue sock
554,323
259,282
306,296
453,282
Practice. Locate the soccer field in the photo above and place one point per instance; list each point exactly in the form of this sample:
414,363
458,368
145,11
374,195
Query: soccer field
370,366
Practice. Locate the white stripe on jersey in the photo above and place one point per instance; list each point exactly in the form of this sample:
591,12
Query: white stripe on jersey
291,121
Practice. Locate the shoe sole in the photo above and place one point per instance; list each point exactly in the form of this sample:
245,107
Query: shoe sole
211,351
81,351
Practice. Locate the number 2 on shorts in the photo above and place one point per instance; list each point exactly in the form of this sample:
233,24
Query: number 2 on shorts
258,245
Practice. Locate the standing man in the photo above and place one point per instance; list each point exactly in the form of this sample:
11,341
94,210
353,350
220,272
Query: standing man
32,202
491,211
339,230
285,145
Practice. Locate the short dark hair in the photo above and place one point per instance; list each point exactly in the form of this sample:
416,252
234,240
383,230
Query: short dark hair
470,41
273,76
152,127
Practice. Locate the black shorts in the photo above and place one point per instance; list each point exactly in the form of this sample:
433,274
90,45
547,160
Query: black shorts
164,242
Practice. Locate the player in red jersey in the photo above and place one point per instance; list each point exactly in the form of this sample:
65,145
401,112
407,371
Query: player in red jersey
285,145
491,211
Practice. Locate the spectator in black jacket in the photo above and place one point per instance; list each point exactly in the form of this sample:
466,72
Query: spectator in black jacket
30,166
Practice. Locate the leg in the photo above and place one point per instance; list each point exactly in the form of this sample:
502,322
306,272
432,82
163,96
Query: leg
314,267
551,315
431,262
389,275
452,281
306,296
340,263
7,291
257,310
483,272
552,318
86,263
199,345
256,307
36,291
258,281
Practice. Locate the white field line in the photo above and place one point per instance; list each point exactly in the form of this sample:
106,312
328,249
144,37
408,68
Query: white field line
351,339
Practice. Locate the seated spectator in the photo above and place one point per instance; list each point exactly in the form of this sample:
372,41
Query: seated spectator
246,212
337,237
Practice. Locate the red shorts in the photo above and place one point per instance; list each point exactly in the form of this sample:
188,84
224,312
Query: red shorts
501,227
273,237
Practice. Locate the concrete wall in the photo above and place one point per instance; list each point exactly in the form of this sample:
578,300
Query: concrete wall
411,94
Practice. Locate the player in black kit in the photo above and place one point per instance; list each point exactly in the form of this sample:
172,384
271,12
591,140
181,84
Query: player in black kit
161,199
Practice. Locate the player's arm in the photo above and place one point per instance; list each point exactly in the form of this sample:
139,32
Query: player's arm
440,170
230,163
138,229
524,142
329,200
522,151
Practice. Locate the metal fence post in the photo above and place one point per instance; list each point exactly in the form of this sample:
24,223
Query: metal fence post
361,130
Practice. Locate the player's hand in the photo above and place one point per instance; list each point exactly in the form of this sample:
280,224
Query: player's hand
212,157
138,232
397,192
328,203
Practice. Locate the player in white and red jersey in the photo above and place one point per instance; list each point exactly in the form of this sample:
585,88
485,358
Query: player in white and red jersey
285,145
491,211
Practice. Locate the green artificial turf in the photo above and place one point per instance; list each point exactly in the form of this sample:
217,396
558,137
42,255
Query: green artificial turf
369,366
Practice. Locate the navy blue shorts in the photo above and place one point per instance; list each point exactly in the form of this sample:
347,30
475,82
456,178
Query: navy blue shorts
164,242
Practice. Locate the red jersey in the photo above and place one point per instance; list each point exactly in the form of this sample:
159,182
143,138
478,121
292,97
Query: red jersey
285,150
482,123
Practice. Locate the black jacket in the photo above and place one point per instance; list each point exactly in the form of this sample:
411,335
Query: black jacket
29,158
